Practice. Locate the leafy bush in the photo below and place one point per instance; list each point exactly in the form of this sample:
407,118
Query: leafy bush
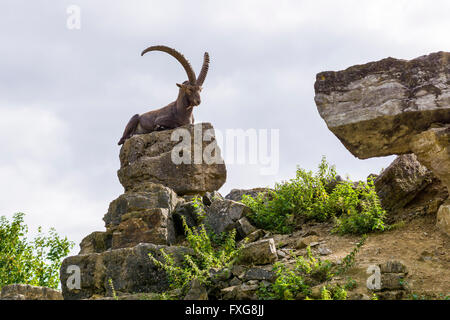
333,293
318,197
360,209
36,262
199,208
206,256
314,267
288,283
304,195
308,272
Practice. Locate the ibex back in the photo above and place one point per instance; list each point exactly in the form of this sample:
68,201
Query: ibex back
177,113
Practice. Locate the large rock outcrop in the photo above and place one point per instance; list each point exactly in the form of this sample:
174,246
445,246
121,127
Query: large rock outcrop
154,185
391,107
149,158
378,108
141,221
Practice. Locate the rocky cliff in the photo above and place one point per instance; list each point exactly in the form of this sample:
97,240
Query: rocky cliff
147,217
380,108
393,107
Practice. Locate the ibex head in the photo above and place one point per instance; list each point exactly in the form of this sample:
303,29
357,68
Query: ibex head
190,89
191,93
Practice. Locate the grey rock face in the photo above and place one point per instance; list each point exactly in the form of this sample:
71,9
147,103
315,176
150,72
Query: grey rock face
197,291
393,275
141,221
236,194
223,215
259,274
209,197
135,217
402,181
244,227
377,108
432,148
189,212
28,292
130,270
393,266
259,252
156,196
149,226
148,158
97,241
407,188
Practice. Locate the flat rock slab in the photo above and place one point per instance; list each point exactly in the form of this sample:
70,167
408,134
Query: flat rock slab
377,108
259,253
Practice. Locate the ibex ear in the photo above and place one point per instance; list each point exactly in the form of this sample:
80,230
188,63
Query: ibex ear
179,85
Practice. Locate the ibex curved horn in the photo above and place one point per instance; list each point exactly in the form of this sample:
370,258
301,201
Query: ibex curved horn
174,53
204,71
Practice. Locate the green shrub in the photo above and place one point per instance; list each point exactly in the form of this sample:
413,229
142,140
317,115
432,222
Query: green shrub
288,283
360,209
310,196
206,256
336,292
314,267
305,195
199,207
309,271
36,262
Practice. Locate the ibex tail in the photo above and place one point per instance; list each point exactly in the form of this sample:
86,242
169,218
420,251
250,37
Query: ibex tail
129,129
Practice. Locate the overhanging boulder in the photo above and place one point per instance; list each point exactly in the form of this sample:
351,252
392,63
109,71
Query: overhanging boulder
390,107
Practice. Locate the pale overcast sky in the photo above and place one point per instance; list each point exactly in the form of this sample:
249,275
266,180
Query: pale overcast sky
66,95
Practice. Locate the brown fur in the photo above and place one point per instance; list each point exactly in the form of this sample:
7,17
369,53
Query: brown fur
178,112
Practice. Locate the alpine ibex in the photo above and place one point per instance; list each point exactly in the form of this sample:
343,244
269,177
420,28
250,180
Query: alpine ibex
177,113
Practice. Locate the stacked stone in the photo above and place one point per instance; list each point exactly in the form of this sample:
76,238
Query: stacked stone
141,221
147,218
393,280
154,186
